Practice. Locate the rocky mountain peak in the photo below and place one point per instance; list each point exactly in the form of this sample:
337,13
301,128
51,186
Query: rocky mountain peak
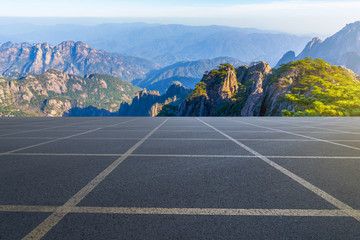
145,93
230,85
216,87
287,57
314,42
176,88
253,80
260,66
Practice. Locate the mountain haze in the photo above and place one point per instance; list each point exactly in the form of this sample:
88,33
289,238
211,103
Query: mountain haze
168,44
189,73
343,48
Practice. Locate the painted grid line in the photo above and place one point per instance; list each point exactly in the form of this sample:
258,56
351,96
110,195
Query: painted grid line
180,211
335,130
299,135
62,211
179,155
186,139
48,128
62,138
334,201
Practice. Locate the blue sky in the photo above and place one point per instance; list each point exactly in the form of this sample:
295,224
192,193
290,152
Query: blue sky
300,16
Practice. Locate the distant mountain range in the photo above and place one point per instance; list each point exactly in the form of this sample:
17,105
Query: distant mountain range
188,73
74,79
343,48
165,44
300,88
71,57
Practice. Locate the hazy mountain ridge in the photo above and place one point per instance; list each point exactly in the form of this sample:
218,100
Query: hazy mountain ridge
55,93
343,48
168,44
71,57
189,73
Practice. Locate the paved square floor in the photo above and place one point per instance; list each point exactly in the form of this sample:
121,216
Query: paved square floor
179,178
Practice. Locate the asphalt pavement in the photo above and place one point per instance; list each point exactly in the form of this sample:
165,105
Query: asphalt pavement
179,178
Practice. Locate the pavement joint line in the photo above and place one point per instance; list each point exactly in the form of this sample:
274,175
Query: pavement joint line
31,123
37,130
228,131
300,135
59,139
321,193
312,124
190,139
179,155
332,123
180,211
45,226
126,130
333,130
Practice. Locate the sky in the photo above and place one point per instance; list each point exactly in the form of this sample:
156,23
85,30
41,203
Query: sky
297,16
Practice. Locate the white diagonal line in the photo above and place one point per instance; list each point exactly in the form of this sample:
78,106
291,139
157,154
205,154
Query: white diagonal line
37,130
334,130
61,138
299,135
334,201
62,211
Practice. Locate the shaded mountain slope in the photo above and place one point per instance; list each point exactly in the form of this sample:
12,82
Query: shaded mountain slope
55,93
151,103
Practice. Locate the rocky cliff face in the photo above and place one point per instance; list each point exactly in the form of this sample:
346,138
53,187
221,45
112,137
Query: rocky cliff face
55,93
151,103
227,91
302,88
75,58
141,104
216,87
253,81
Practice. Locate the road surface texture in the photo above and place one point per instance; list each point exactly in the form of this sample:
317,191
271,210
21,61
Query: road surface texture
179,178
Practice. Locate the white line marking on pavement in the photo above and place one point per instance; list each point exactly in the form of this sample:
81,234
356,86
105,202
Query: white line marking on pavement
182,211
59,139
37,130
299,135
62,211
179,155
334,201
188,139
336,130
329,129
